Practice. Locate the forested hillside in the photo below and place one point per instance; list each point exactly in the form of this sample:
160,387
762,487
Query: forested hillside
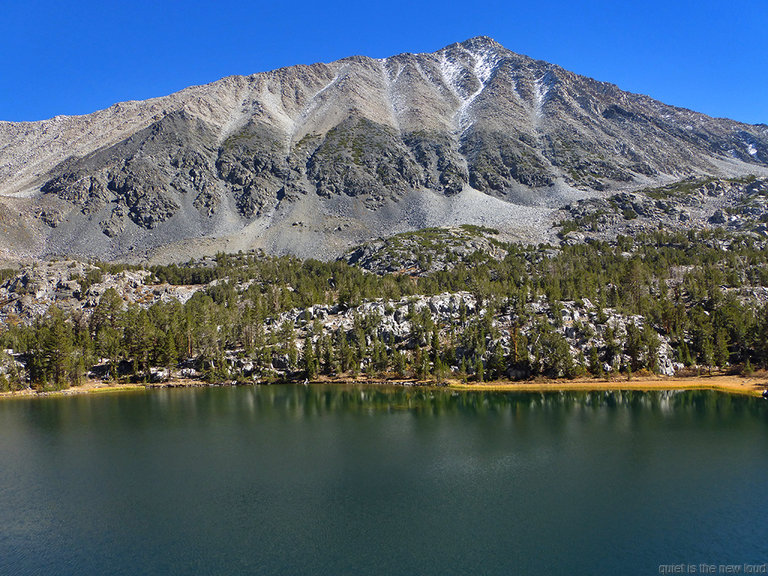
659,302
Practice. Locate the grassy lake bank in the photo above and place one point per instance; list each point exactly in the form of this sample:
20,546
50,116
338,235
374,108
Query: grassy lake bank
741,385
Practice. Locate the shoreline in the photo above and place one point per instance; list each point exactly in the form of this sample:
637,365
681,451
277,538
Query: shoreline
739,385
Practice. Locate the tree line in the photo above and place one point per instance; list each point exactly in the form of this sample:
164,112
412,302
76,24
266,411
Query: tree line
698,290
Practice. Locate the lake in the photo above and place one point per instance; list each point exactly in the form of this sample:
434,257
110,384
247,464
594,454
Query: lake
353,480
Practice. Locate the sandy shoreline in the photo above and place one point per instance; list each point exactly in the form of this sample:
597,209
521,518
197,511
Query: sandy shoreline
748,386
731,384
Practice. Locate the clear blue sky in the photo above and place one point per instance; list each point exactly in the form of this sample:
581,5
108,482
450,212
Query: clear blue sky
77,57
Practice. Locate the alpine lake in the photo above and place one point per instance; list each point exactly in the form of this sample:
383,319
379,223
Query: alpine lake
334,479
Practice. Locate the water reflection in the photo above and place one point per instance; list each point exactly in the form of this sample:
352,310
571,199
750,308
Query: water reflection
205,405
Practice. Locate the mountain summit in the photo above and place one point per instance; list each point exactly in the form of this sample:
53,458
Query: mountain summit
310,159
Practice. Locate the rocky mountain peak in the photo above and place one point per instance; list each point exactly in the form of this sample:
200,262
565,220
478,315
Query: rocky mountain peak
481,44
335,154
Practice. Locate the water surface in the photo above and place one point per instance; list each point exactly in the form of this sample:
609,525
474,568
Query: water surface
348,480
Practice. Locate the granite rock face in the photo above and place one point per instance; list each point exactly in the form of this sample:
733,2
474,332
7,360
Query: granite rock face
734,205
341,141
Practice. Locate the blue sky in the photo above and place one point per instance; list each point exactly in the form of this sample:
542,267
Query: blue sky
77,57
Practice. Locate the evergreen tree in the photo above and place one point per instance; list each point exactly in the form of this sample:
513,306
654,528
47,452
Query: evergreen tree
496,364
400,364
721,351
309,359
167,353
479,370
595,366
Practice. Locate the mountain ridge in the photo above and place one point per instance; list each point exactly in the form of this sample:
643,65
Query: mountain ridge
337,153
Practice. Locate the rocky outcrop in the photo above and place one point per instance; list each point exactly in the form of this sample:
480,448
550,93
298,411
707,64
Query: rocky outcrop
739,204
429,250
74,286
141,178
254,165
360,157
580,325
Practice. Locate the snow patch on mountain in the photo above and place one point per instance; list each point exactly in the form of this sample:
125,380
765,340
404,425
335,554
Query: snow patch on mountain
451,72
485,63
541,90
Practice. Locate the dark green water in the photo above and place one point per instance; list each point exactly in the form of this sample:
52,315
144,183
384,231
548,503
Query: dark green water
338,480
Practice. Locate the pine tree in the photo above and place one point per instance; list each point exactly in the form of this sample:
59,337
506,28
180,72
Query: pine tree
463,369
309,359
400,364
434,344
168,354
479,370
440,371
497,366
721,352
52,351
595,366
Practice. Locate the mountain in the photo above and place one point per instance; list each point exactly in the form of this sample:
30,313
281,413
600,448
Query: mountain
313,159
